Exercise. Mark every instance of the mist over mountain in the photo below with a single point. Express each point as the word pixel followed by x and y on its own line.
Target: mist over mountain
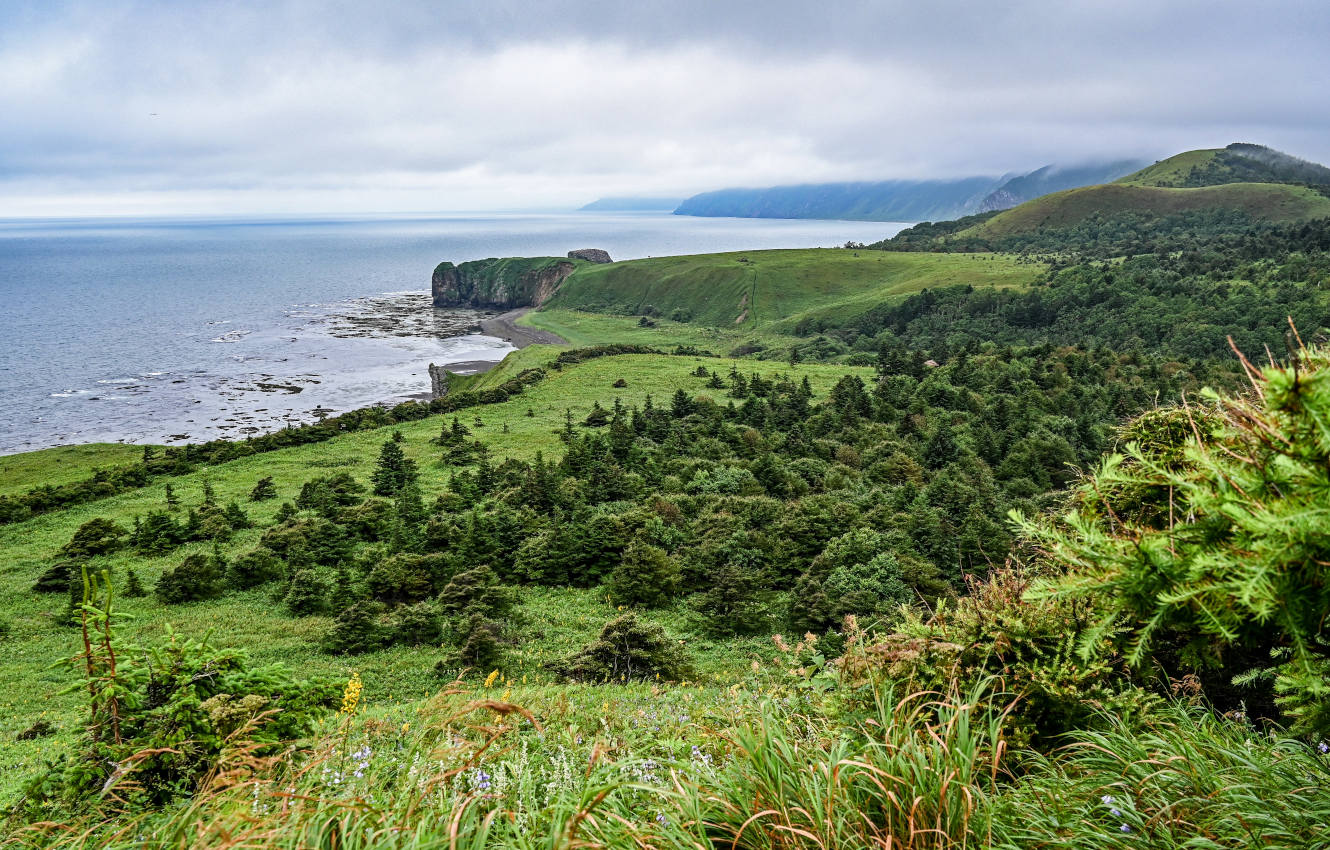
pixel 631 204
pixel 888 200
pixel 903 200
pixel 1053 178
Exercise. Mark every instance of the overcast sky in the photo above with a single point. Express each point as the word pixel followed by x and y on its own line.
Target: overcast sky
pixel 302 106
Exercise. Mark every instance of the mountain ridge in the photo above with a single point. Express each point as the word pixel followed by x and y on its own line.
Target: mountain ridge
pixel 901 200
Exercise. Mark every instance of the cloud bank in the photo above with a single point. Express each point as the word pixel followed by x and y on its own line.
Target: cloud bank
pixel 286 105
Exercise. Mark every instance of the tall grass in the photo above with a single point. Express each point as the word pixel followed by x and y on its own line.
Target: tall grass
pixel 483 773
pixel 1191 779
pixel 915 775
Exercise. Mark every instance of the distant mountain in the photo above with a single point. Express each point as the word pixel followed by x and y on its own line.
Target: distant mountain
pixel 1054 178
pixel 1197 191
pixel 631 205
pixel 901 200
pixel 888 200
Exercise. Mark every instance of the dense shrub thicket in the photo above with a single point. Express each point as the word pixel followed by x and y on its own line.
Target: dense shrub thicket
pixel 764 508
pixel 1124 234
pixel 1184 306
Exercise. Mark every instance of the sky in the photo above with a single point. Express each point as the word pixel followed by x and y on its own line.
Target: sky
pixel 296 106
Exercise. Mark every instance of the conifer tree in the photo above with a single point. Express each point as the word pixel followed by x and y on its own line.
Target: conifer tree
pixel 263 490
pixel 393 471
pixel 134 587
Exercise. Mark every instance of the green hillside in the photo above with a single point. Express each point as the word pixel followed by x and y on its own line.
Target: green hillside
pixel 61 465
pixel 1262 201
pixel 766 288
pixel 1237 163
pixel 1171 171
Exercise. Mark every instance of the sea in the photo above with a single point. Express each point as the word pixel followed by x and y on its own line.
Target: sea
pixel 180 330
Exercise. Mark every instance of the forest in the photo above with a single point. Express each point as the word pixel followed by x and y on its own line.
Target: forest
pixel 1032 566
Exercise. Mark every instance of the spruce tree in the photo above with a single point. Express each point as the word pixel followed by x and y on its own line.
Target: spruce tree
pixel 645 575
pixel 393 470
pixel 263 489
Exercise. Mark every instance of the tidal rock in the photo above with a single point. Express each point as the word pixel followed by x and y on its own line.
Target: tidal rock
pixel 591 255
pixel 438 381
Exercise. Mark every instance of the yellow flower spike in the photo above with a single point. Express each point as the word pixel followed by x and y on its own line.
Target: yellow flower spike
pixel 406 727
pixel 351 694
pixel 490 679
pixel 506 694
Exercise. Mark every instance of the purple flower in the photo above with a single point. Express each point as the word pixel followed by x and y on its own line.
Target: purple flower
pixel 1125 828
pixel 481 780
pixel 1323 747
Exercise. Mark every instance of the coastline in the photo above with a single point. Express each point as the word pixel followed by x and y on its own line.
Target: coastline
pixel 505 327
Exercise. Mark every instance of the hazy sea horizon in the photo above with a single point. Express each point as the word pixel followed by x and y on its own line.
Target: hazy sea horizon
pixel 185 329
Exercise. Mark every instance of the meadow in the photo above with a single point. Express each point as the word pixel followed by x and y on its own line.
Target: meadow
pixel 31 689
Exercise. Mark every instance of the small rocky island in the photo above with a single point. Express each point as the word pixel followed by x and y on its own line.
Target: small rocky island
pixel 509 282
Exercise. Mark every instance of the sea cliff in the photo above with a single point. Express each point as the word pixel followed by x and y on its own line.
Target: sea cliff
pixel 499 284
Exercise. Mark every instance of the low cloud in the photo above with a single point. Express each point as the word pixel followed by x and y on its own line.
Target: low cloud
pixel 303 106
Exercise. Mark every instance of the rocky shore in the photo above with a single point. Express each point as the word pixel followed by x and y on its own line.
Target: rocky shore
pixel 505 327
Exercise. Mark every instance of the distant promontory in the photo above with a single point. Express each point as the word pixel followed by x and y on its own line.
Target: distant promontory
pixel 631 205
pixel 509 282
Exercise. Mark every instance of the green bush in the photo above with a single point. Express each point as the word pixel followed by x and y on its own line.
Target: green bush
pixel 264 489
pixel 95 537
pixel 1234 555
pixel 307 593
pixel 197 577
pixel 646 575
pixel 1022 650
pixel 477 644
pixel 161 719
pixel 420 624
pixel 356 630
pixel 255 567
pixel 627 649
pixel 393 470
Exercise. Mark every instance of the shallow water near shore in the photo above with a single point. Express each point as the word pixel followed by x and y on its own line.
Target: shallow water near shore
pixel 184 330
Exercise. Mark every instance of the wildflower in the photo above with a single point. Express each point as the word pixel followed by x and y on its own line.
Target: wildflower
pixel 1125 828
pixel 1106 800
pixel 351 694
pixel 406 727
pixel 1115 813
pixel 662 820
pixel 1323 747
pixel 491 678
pixel 480 780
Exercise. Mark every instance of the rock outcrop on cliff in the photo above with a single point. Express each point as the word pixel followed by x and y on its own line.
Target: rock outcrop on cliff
pixel 499 284
pixel 591 255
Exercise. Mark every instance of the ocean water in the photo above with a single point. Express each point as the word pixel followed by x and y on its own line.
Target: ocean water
pixel 183 330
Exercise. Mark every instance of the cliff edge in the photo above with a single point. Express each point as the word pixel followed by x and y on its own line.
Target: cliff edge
pixel 499 284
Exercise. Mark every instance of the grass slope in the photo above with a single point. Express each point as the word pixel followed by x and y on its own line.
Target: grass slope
pixel 1263 201
pixel 61 465
pixel 1167 172
pixel 750 289
pixel 31 688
